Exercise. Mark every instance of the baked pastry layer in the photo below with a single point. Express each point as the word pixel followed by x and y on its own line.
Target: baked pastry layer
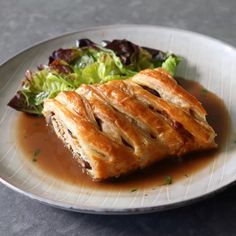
pixel 120 126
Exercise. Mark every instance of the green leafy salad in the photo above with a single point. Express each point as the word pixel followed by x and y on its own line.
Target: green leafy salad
pixel 87 63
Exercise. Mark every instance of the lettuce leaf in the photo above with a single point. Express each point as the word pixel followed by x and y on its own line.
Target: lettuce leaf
pixel 88 63
pixel 170 64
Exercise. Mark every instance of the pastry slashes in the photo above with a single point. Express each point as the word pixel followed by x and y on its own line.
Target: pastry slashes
pixel 124 125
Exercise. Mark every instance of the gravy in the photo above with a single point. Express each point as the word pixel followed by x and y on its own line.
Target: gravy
pixel 46 151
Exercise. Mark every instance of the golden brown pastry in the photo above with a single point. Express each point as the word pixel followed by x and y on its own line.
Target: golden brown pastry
pixel 120 126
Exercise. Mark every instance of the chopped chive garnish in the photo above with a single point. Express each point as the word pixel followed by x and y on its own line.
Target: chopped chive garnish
pixel 204 91
pixel 133 190
pixel 36 152
pixel 168 180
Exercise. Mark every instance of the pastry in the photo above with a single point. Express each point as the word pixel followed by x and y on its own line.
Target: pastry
pixel 124 125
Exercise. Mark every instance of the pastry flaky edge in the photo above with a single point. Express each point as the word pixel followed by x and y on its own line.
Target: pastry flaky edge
pixel 120 126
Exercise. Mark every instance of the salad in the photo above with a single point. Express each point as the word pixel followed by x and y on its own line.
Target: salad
pixel 87 63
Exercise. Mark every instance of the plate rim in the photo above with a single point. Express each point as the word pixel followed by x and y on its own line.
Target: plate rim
pixel 107 210
pixel 122 211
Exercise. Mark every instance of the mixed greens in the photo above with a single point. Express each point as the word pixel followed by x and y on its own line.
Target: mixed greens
pixel 87 63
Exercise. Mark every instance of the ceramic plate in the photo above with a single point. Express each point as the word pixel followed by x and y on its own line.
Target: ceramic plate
pixel 209 61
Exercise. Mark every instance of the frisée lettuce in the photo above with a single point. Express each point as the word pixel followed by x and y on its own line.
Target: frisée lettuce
pixel 87 63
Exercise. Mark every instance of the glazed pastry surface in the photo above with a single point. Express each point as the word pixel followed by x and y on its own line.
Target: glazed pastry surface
pixel 124 125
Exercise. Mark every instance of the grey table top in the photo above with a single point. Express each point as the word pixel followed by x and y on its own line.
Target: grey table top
pixel 25 22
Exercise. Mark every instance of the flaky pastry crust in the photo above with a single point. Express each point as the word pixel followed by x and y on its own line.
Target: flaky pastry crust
pixel 120 126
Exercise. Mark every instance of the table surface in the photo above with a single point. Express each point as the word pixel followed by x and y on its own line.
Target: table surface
pixel 25 22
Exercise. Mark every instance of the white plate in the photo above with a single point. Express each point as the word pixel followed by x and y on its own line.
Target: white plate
pixel 209 61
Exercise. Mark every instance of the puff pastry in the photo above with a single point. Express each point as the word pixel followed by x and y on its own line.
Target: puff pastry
pixel 120 126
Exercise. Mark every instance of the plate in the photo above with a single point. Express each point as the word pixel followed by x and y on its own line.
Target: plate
pixel 206 60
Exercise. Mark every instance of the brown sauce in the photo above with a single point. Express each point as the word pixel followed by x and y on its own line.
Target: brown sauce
pixel 44 150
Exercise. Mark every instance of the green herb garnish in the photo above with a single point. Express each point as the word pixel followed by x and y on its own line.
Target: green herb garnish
pixel 133 190
pixel 204 91
pixel 168 180
pixel 36 152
